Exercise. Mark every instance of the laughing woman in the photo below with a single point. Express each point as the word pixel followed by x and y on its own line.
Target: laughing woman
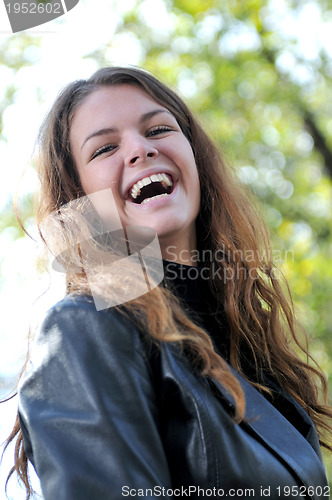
pixel 195 387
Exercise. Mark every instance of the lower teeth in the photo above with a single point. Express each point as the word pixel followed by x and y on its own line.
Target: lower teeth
pixel 154 197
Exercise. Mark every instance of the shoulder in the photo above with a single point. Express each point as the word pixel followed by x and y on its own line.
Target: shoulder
pixel 77 315
pixel 78 348
pixel 76 309
pixel 74 329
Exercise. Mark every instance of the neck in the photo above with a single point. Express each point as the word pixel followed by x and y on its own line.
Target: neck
pixel 182 252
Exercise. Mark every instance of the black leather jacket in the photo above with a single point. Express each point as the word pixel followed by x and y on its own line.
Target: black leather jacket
pixel 105 416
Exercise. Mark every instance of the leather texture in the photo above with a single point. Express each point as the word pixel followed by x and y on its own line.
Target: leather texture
pixel 102 408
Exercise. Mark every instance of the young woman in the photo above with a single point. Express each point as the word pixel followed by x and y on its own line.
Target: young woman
pixel 193 388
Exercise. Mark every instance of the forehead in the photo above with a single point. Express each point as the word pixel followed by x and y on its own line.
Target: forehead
pixel 110 107
pixel 115 101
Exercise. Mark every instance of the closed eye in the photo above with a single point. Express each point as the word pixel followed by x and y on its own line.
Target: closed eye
pixel 158 130
pixel 104 149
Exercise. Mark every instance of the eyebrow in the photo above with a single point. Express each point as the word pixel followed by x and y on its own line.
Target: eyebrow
pixel 103 131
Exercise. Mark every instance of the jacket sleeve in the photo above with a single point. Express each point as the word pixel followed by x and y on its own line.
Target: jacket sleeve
pixel 88 408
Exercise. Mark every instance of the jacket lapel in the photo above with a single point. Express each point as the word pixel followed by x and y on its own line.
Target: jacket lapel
pixel 277 433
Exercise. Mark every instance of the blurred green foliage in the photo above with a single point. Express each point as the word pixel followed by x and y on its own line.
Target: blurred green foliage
pixel 266 98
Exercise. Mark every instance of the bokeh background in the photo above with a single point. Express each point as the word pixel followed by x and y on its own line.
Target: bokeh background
pixel 257 72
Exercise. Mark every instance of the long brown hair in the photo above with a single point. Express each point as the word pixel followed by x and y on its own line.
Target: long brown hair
pixel 260 317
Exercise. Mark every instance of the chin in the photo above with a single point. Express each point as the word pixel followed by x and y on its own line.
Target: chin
pixel 167 227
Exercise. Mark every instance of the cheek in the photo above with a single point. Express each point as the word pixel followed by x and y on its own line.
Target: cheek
pixel 196 186
pixel 191 162
pixel 190 176
pixel 193 170
pixel 97 180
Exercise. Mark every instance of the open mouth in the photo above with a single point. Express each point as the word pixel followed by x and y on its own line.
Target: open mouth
pixel 153 186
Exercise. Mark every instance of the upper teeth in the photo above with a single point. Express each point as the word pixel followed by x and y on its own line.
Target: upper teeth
pixel 163 178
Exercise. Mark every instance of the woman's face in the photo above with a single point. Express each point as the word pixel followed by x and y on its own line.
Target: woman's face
pixel 124 140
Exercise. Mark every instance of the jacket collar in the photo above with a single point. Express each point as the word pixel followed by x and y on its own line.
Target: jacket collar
pixel 301 454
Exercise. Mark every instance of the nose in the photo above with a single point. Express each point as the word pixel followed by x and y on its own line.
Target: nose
pixel 139 149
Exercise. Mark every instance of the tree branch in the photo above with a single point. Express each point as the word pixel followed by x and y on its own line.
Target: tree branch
pixel 319 139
